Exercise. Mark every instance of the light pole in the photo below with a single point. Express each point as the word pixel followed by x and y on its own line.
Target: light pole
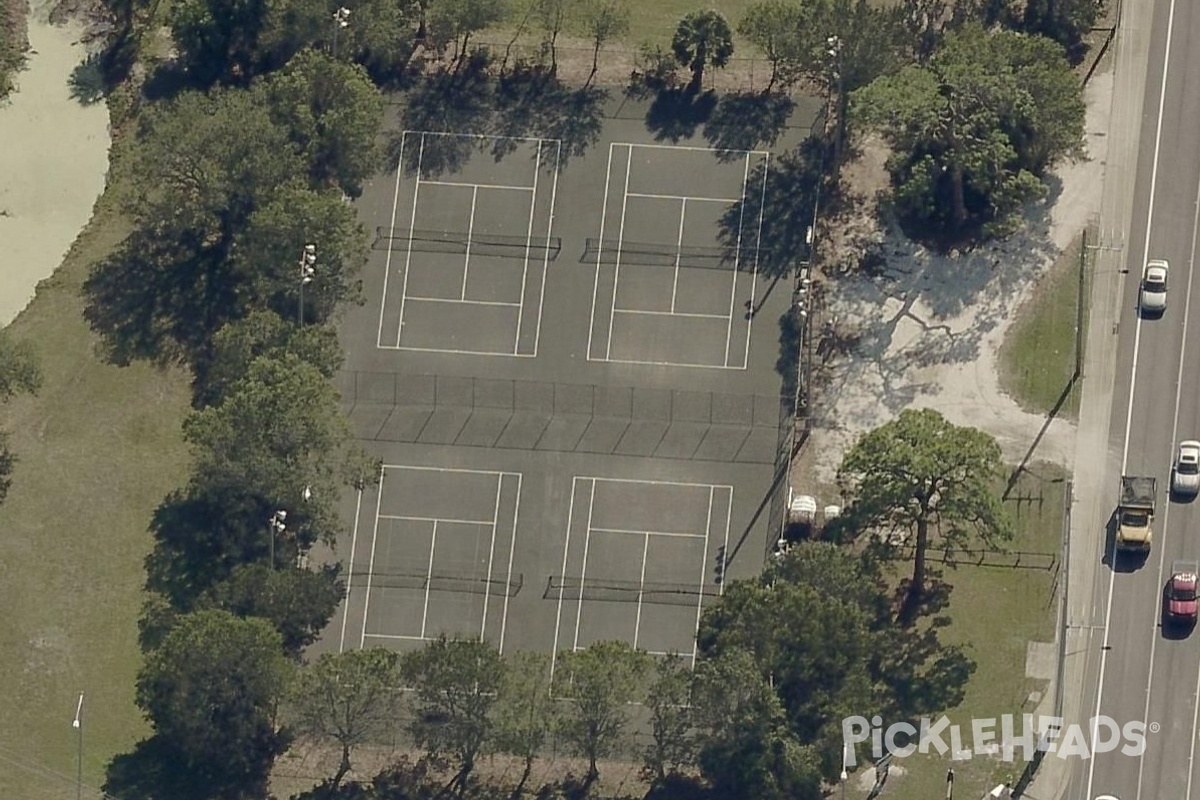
pixel 341 19
pixel 308 261
pixel 845 774
pixel 77 724
pixel 834 51
pixel 275 526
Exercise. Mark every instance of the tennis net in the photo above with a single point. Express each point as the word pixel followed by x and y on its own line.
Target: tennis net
pixel 441 582
pixel 432 241
pixel 684 594
pixel 614 251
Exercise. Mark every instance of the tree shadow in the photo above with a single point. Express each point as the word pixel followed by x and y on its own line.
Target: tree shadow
pixel 88 83
pixel 747 121
pixel 451 100
pixel 530 102
pixel 676 113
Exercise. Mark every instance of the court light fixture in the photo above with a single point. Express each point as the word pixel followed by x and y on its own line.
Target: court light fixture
pixel 308 262
pixel 342 17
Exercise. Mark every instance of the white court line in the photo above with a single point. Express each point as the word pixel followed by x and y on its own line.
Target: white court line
pixel 412 226
pixel 371 563
pixel 483 136
pixel 697 198
pixel 512 548
pixel 563 573
pixel 686 147
pixel 678 253
pixel 537 336
pixel 670 534
pixel 407 518
pixel 387 265
pixel 617 266
pixel 587 538
pixel 599 249
pixel 418 468
pixel 429 578
pixel 637 622
pixel 462 298
pixel 537 168
pixel 398 636
pixel 737 262
pixel 664 653
pixel 487 587
pixel 464 302
pixel 500 186
pixel 667 364
pixel 703 573
pixel 350 571
pixel 762 209
pixel 651 482
pixel 684 314
pixel 457 352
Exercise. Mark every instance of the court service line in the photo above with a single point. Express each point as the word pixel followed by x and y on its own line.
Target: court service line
pixel 456 352
pixel 617 265
pixel 762 210
pixel 631 532
pixel 537 335
pixel 459 470
pixel 398 636
pixel 512 548
pixel 387 264
pixel 462 302
pixel 667 363
pixel 587 540
pixel 653 482
pixel 504 187
pixel 487 587
pixel 649 146
pixel 637 622
pixel 697 198
pixel 371 563
pixel 429 578
pixel 682 314
pixel 566 549
pixel 407 518
pixel 412 226
pixel 350 570
pixel 599 250
pixel 462 297
pixel 496 136
pixel 703 572
pixel 678 253
pixel 537 169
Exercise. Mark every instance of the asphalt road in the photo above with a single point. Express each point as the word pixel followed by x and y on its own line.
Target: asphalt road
pixel 1142 674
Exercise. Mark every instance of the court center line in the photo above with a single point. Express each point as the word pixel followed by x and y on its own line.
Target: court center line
pixel 537 336
pixel 678 252
pixel 762 207
pixel 463 302
pixel 537 168
pixel 563 573
pixel 587 538
pixel 697 198
pixel 387 264
pixel 737 261
pixel 599 250
pixel 682 314
pixel 412 227
pixel 503 187
pixel 487 587
pixel 350 570
pixel 429 578
pixel 467 256
pixel 631 532
pixel 371 562
pixel 617 265
pixel 637 622
pixel 703 573
pixel 512 548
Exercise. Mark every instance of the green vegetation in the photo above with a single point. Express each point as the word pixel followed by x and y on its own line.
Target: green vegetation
pixel 13 43
pixel 1037 359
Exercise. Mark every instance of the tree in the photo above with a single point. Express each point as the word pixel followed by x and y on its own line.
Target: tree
pixel 19 372
pixel 455 682
pixel 346 698
pixel 668 700
pixel 603 21
pixel 524 714
pixel 1064 21
pixel 298 602
pixel 218 40
pixel 597 683
pixel 457 20
pixel 552 17
pixel 746 749
pixel 775 27
pixel 975 129
pixel 381 37
pixel 702 39
pixel 923 475
pixel 332 112
pixel 211 692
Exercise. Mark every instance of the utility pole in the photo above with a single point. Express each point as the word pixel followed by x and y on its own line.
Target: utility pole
pixel 275 526
pixel 77 724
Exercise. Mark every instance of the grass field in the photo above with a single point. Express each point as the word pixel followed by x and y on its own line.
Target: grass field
pixel 994 612
pixel 1037 359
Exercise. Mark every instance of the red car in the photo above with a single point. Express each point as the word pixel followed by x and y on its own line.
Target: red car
pixel 1180 603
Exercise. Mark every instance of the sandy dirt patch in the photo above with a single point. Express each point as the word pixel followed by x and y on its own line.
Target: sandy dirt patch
pixel 52 164
pixel 923 331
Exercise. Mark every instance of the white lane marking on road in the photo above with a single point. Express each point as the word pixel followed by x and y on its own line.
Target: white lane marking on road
pixel 1137 337
pixel 1196 691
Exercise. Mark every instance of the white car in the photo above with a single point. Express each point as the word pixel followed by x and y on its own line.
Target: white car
pixel 1185 477
pixel 1154 286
